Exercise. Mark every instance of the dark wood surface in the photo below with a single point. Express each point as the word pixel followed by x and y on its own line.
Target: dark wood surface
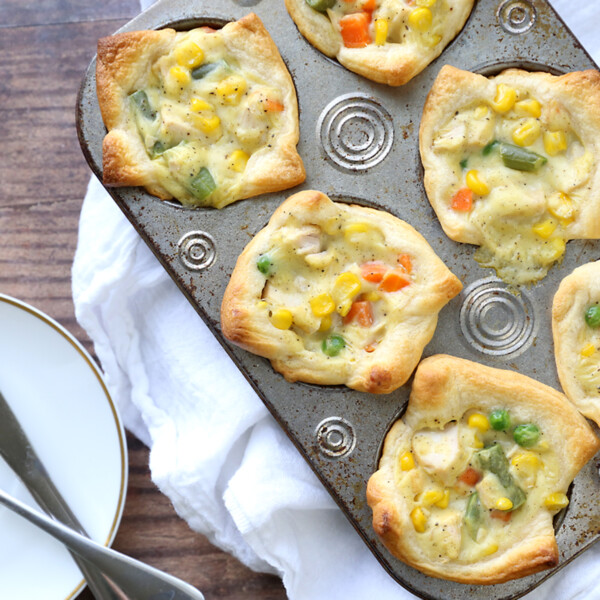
pixel 45 47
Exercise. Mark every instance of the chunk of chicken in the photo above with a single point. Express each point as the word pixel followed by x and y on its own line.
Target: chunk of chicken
pixel 439 452
pixel 445 534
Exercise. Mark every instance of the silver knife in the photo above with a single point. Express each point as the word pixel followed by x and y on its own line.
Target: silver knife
pixel 21 457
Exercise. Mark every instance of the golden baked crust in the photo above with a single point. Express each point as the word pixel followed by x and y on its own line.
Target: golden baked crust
pixel 447 392
pixel 577 344
pixel 524 218
pixel 175 103
pixel 315 255
pixel 406 52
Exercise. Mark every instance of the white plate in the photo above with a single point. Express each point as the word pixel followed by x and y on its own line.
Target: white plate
pixel 58 395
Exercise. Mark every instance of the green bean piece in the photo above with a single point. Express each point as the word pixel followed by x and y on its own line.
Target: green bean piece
pixel 494 460
pixel 264 264
pixel 203 185
pixel 487 149
pixel 157 149
pixel 592 316
pixel 473 515
pixel 515 157
pixel 333 344
pixel 499 419
pixel 142 104
pixel 206 68
pixel 320 5
pixel 526 435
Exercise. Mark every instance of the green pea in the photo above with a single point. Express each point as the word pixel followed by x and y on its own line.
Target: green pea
pixel 526 435
pixel 333 344
pixel 499 419
pixel 264 264
pixel 592 316
pixel 463 163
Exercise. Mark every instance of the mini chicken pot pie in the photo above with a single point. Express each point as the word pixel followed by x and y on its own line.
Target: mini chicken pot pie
pixel 471 477
pixel 511 165
pixel 576 332
pixel 207 117
pixel 337 294
pixel 388 41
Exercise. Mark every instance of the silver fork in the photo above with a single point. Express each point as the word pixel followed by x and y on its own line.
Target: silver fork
pixel 110 575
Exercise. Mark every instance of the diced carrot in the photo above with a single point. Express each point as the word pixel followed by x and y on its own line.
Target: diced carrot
pixel 471 476
pixel 405 261
pixel 394 280
pixel 463 200
pixel 369 5
pixel 373 271
pixel 503 515
pixel 370 348
pixel 362 312
pixel 273 105
pixel 355 30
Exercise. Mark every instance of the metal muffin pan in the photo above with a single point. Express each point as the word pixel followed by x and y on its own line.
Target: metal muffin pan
pixel 359 143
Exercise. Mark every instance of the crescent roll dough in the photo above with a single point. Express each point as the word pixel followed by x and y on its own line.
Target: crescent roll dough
pixel 389 41
pixel 334 293
pixel 207 117
pixel 511 164
pixel 576 331
pixel 472 475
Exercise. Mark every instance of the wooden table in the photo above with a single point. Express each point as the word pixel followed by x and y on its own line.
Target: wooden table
pixel 45 47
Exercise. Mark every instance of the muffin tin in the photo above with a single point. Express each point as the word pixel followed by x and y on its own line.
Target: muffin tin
pixel 359 143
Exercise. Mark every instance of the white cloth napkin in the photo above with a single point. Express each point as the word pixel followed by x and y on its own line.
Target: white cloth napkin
pixel 215 451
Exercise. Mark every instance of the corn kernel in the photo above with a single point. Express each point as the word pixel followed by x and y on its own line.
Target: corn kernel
pixel 431 40
pixel 558 246
pixel 352 230
pixel 529 107
pixel 425 3
pixel 478 421
pixel 444 500
pixel 504 504
pixel 322 305
pixel 431 497
pixel 419 520
pixel 490 549
pixel 588 350
pixel 238 160
pixel 198 105
pixel 476 184
pixel 527 462
pixel 381 31
pixel 188 54
pixel 325 323
pixel 544 229
pixel 561 206
pixel 556 501
pixel 231 89
pixel 345 289
pixel 555 142
pixel 477 442
pixel 372 296
pixel 482 111
pixel 527 133
pixel 420 19
pixel 282 318
pixel 177 79
pixel 407 462
pixel 344 307
pixel 542 446
pixel 207 124
pixel 504 99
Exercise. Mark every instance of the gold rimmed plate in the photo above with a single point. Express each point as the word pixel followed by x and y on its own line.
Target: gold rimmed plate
pixel 58 395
